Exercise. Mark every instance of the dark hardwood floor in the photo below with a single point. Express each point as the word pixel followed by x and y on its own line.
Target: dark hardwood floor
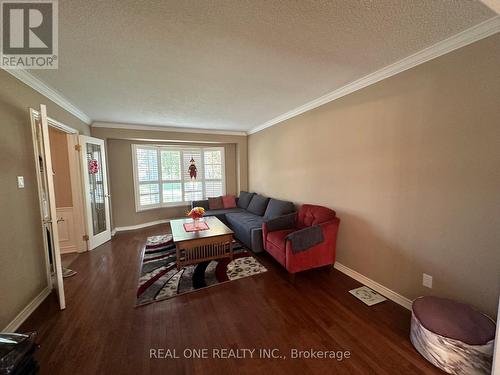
pixel 101 332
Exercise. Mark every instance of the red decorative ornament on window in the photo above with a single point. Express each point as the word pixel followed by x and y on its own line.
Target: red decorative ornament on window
pixel 93 166
pixel 192 169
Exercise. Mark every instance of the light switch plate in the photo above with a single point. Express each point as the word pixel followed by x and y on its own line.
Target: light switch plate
pixel 427 280
pixel 20 182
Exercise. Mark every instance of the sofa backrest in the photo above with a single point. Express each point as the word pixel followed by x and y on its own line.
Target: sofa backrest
pixel 276 208
pixel 258 205
pixel 244 199
pixel 310 214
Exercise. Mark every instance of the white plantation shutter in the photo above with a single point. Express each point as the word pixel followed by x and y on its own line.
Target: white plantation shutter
pixel 171 175
pixel 214 173
pixel 161 175
pixel 148 177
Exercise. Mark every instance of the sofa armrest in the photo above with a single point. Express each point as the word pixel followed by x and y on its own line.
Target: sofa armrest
pixel 281 223
pixel 305 238
pixel 203 203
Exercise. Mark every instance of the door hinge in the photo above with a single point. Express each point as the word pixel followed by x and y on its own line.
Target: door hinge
pixel 85 237
pixel 78 147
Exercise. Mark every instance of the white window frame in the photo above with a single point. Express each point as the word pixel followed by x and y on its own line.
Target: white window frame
pixel 182 149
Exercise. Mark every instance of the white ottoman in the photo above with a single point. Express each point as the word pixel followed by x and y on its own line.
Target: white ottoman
pixel 452 336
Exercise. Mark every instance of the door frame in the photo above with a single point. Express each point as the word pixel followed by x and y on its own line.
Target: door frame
pixel 76 184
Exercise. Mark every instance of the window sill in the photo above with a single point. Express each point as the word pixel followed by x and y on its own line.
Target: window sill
pixel 174 205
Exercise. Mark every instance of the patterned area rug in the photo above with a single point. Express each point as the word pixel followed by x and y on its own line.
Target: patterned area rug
pixel 160 278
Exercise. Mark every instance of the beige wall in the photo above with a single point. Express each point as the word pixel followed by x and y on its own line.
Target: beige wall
pixel 60 166
pixel 412 166
pixel 121 182
pixel 22 267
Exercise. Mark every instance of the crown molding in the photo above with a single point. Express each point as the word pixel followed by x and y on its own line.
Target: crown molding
pixel 175 129
pixel 49 93
pixel 466 37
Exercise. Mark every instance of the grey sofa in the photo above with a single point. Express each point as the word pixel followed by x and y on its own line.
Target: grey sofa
pixel 247 218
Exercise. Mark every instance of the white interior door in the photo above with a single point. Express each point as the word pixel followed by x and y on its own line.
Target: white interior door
pixel 47 199
pixel 96 194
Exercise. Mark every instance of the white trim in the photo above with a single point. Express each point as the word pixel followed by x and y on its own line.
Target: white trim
pixel 175 129
pixel 54 123
pixel 49 93
pixel 27 311
pixel 140 226
pixel 379 288
pixel 36 153
pixel 466 37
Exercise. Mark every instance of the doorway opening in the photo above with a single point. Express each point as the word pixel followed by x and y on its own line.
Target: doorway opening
pixel 68 193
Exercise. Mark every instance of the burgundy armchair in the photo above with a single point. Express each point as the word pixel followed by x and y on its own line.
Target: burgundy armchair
pixel 302 240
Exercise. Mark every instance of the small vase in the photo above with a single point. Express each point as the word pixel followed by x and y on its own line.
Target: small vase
pixel 196 222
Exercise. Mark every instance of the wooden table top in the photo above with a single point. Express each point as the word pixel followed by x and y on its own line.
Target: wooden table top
pixel 216 228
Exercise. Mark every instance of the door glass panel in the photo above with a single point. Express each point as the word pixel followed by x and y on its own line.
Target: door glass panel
pixel 96 188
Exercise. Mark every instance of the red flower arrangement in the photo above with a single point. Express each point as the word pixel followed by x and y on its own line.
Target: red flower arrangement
pixel 196 213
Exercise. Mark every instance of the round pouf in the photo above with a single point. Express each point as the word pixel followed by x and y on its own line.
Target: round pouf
pixel 452 336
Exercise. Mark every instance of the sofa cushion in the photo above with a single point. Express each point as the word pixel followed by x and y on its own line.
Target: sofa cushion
pixel 215 203
pixel 258 205
pixel 277 208
pixel 223 211
pixel 243 223
pixel 245 219
pixel 244 200
pixel 229 201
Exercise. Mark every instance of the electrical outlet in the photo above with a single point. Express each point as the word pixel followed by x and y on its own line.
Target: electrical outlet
pixel 20 182
pixel 427 280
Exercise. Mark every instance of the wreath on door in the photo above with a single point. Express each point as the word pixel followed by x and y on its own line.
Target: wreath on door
pixel 93 166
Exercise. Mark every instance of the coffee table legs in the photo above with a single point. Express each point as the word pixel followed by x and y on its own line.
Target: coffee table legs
pixel 193 252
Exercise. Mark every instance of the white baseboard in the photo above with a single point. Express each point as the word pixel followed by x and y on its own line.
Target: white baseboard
pixel 379 288
pixel 139 226
pixel 69 249
pixel 27 311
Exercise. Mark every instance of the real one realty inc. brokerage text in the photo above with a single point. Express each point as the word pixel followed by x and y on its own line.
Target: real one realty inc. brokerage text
pixel 248 353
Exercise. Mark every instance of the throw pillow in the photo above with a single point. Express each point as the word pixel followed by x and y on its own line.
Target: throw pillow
pixel 229 201
pixel 244 200
pixel 258 204
pixel 215 203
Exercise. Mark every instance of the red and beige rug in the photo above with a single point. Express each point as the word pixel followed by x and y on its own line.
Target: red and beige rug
pixel 161 280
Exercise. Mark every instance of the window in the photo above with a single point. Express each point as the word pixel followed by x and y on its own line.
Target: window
pixel 161 175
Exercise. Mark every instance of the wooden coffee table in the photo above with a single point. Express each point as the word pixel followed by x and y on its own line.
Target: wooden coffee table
pixel 195 247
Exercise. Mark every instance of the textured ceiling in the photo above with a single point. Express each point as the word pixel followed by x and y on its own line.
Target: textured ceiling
pixel 233 65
